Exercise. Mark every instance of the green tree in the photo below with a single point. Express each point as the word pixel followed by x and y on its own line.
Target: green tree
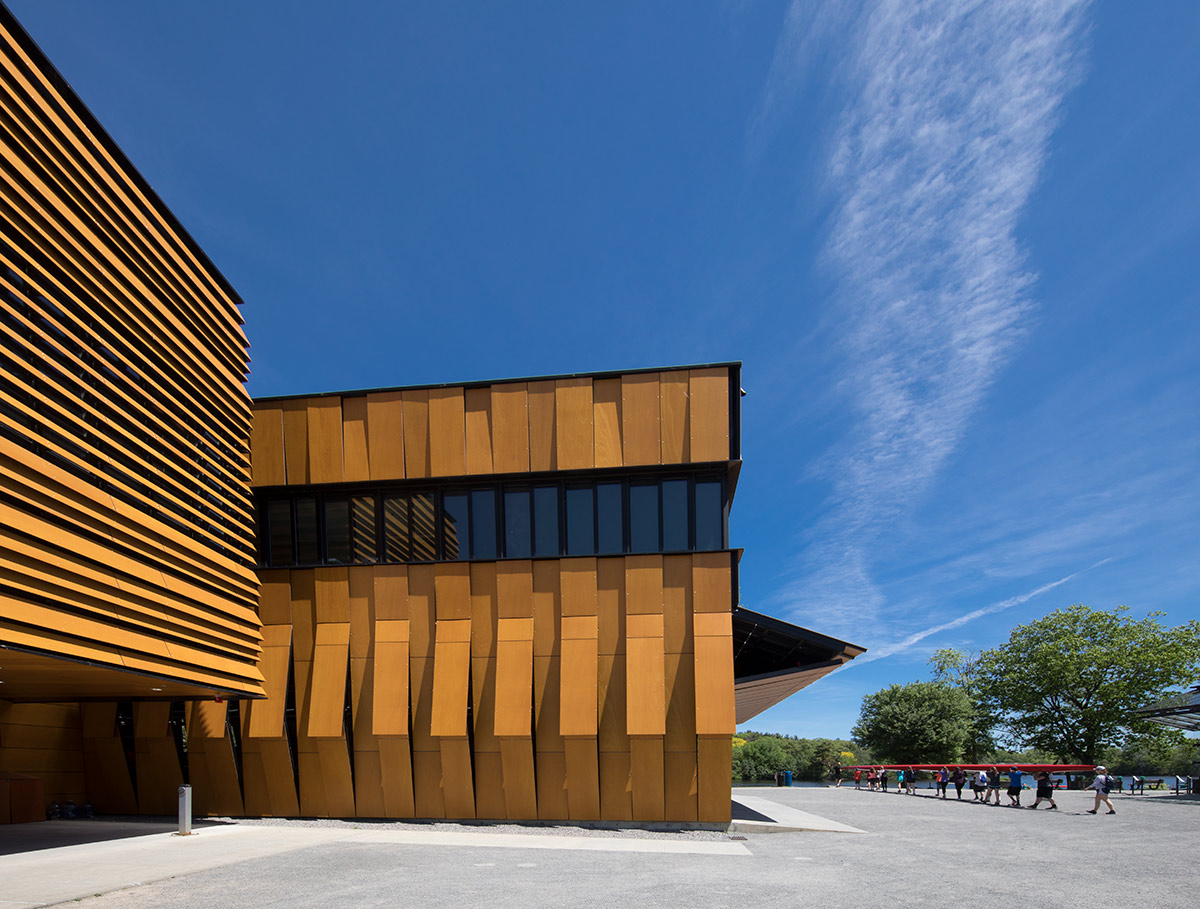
pixel 1069 683
pixel 919 723
pixel 960 668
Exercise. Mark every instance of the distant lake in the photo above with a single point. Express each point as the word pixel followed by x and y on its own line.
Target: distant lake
pixel 848 782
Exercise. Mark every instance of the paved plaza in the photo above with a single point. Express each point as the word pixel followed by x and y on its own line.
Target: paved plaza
pixel 910 851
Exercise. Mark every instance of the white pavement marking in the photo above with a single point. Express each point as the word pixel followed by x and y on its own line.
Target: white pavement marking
pixel 783 816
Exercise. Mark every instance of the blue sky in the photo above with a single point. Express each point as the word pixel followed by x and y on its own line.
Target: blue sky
pixel 954 245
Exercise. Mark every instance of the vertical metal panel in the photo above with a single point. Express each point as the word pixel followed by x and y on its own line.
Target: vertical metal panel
pixel 325 440
pixel 673 417
pixel 708 414
pixel 447 445
pixel 543 443
pixel 295 441
pixel 385 435
pixel 355 449
pixel 266 447
pixel 573 423
pixel 416 433
pixel 479 430
pixel 606 422
pixel 640 435
pixel 510 427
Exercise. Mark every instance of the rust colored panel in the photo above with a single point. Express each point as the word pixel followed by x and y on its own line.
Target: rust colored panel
pixel 108 785
pixel 295 441
pixel 421 703
pixel 715 758
pixel 640 419
pixel 673 417
pixel 644 585
pixel 391 591
pixel 610 604
pixel 335 777
pixel 368 784
pixel 681 702
pixel 714 624
pixel 606 422
pixel 677 604
pixel 616 786
pixel 362 703
pixel 583 779
pixel 385 435
pixel 520 790
pixel 266 448
pixel 362 610
pixel 98 719
pixel 275 598
pixel 552 786
pixel 452 585
pixel 610 695
pixel 458 785
pixel 266 716
pixel 489 786
pixel 451 664
pixel 312 784
pixel 216 775
pixel 708 414
pixel 679 772
pixel 447 445
pixel 573 423
pixel 543 442
pixel 714 685
pixel 391 675
pixel 547 683
pixel 327 699
pixel 416 433
pixel 646 698
pixel 395 760
pixel 514 589
pixel 646 778
pixel 483 609
pixel 421 612
pixel 578 694
pixel 712 581
pixel 479 430
pixel 547 609
pixel 356 452
pixel 332 595
pixel 577 583
pixel 325 440
pixel 514 679
pixel 483 692
pixel 427 784
pixel 510 428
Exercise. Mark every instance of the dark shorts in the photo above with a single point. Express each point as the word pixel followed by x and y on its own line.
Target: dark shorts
pixel 1014 790
pixel 993 785
pixel 1045 793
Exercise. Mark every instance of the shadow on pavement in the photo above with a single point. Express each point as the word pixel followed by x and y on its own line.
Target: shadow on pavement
pixel 18 838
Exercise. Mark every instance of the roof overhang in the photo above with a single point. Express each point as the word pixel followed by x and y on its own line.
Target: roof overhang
pixel 773 659
pixel 1179 711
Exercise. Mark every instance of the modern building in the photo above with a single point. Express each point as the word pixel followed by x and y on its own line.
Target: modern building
pixel 512 599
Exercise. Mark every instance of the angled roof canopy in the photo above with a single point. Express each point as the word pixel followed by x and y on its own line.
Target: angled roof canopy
pixel 772 660
pixel 1181 711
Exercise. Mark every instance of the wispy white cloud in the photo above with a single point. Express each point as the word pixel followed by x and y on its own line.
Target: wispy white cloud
pixel 948 114
pixel 912 640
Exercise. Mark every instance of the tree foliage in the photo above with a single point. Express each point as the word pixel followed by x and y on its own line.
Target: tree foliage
pixel 763 754
pixel 960 668
pixel 919 723
pixel 1070 683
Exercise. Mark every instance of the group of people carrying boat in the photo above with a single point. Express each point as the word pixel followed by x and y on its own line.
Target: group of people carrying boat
pixel 985 783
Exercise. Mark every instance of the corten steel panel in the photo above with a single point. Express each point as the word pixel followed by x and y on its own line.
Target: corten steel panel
pixel 275 597
pixel 640 434
pixel 573 423
pixel 679 774
pixel 447 444
pixel 385 435
pixel 520 789
pixel 158 773
pixel 681 702
pixel 489 785
pixel 43 742
pixel 547 685
pixel 212 770
pixel 611 698
pixel 452 584
pixel 335 777
pixel 677 604
pixel 451 664
pixel 712 578
pixel 514 677
pixel 543 442
pixel 646 778
pixel 266 447
pixel 510 428
pixel 714 788
pixel 314 800
pixel 479 430
pixel 578 690
pixel 673 418
pixel 325 440
pixel 390 692
pixel 266 716
pixel 552 786
pixel 547 608
pixel 140 407
pixel 610 604
pixel 368 784
pixel 295 441
pixel 330 665
pixel 708 414
pixel 616 786
pixel 714 685
pixel 332 595
pixel 395 759
pixel 355 452
pixel 427 783
pixel 606 422
pixel 583 779
pixel 109 786
pixel 416 433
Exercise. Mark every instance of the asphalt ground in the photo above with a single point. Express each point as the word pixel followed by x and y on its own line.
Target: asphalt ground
pixel 913 851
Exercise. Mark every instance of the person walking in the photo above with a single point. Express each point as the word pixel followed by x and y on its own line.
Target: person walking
pixel 837 775
pixel 977 785
pixel 872 779
pixel 993 786
pixel 959 779
pixel 910 781
pixel 1045 791
pixel 883 778
pixel 858 778
pixel 900 785
pixel 943 780
pixel 1101 783
pixel 1014 788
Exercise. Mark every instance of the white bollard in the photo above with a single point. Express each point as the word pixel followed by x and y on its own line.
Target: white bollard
pixel 185 810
